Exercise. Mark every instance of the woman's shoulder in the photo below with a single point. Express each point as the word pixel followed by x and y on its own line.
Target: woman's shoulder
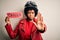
pixel 22 20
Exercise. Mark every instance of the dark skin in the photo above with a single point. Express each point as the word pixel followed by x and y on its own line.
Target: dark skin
pixel 31 16
pixel 39 24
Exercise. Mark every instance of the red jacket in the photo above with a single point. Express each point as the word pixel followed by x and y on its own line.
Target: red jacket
pixel 26 31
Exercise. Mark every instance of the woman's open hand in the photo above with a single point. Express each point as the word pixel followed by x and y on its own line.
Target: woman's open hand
pixel 39 24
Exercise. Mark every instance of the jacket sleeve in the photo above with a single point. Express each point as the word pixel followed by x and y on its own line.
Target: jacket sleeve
pixel 12 33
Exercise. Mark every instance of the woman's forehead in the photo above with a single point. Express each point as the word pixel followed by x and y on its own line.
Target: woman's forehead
pixel 30 10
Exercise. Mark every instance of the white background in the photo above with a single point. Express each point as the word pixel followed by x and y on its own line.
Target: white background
pixel 50 10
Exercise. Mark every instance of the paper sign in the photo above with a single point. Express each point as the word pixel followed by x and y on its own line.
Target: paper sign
pixel 15 14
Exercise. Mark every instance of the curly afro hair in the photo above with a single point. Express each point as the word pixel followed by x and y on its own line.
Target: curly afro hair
pixel 30 6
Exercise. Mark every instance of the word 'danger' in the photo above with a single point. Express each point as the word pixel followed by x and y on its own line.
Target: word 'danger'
pixel 15 14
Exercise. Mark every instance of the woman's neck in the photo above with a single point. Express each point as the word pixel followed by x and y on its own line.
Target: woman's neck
pixel 29 19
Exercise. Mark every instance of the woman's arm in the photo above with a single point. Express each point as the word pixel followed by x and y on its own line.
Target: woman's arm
pixel 12 33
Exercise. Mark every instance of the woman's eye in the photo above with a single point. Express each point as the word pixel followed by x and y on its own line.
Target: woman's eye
pixel 32 13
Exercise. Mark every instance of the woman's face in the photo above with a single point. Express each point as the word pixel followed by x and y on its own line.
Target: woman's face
pixel 31 14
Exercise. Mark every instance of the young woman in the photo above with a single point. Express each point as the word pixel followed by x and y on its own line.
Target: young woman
pixel 29 28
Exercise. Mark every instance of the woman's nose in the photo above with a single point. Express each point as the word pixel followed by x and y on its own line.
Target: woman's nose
pixel 30 14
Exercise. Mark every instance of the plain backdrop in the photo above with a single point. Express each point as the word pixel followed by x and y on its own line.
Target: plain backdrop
pixel 50 10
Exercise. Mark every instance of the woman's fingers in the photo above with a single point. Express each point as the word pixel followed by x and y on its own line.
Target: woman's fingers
pixel 39 17
pixel 7 19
